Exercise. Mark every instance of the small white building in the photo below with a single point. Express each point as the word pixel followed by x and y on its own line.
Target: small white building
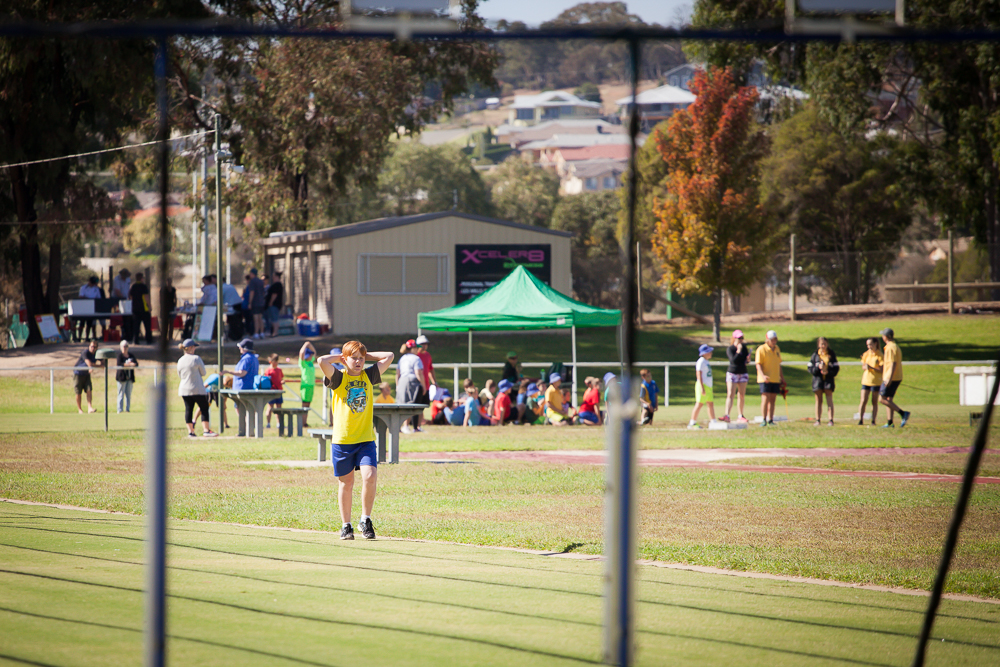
pixel 593 175
pixel 550 105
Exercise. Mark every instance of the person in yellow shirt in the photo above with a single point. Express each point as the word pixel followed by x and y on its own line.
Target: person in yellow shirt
pixel 354 429
pixel 770 377
pixel 557 413
pixel 871 378
pixel 892 376
pixel 386 394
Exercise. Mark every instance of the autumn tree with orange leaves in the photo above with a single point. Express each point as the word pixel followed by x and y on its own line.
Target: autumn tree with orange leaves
pixel 712 233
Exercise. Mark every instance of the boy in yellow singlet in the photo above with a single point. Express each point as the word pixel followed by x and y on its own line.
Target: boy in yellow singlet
pixel 353 428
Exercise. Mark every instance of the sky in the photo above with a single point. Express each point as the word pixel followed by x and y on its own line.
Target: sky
pixel 533 12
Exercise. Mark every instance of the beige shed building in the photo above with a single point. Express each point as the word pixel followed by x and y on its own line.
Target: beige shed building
pixel 374 277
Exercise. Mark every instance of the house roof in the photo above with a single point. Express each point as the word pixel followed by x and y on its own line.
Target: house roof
pixel 579 141
pixel 551 98
pixel 663 95
pixel 685 66
pixel 368 226
pixel 565 124
pixel 612 151
pixel 779 92
pixel 598 167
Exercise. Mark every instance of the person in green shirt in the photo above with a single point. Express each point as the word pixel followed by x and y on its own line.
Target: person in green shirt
pixel 307 385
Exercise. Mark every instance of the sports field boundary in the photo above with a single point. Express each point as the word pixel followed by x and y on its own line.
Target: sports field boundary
pixel 703 569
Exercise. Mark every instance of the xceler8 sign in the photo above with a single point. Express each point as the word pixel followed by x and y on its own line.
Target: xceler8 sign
pixel 481 266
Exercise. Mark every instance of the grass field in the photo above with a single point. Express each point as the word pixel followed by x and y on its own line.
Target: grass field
pixel 72 582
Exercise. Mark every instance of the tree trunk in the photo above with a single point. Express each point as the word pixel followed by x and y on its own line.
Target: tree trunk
pixel 993 229
pixel 717 318
pixel 31 279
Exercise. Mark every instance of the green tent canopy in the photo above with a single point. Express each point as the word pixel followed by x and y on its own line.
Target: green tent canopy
pixel 519 301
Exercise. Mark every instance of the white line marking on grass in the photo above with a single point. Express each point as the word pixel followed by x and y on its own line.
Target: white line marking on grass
pixel 704 569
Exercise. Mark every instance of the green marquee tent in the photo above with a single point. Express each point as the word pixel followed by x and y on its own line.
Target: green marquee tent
pixel 519 301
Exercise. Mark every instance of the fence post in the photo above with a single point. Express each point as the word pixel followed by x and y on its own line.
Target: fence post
pixel 154 377
pixel 455 378
pixel 666 385
pixel 52 391
pixel 791 278
pixel 951 273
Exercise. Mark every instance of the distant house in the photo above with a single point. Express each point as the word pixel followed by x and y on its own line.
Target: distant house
pixel 657 104
pixel 550 105
pixel 518 135
pixel 561 159
pixel 593 176
pixel 680 77
pixel 544 151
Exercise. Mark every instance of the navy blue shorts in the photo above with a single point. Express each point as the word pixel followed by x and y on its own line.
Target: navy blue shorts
pixel 348 458
pixel 770 387
pixel 889 390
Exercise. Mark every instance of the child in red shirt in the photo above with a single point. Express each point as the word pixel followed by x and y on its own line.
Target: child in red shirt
pixel 277 377
pixel 501 404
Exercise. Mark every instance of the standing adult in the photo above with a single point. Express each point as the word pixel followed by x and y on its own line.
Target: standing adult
pixel 422 351
pixel 410 381
pixel 892 376
pixel 275 302
pixel 120 287
pixel 209 292
pixel 353 435
pixel 737 376
pixel 871 379
pixel 824 367
pixel 141 311
pixel 246 308
pixel 258 299
pixel 81 376
pixel 125 376
pixel 168 296
pixel 247 368
pixel 89 290
pixel 770 376
pixel 511 370
pixel 233 304
pixel 191 369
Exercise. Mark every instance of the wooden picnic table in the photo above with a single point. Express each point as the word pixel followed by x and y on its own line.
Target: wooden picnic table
pixel 389 418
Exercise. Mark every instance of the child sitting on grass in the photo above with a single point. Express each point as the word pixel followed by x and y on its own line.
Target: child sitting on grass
pixel 703 386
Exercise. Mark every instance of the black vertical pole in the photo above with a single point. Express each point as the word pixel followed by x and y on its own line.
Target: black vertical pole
pixel 156 459
pixel 968 481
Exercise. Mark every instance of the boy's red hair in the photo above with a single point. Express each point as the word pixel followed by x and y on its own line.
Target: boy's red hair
pixel 352 346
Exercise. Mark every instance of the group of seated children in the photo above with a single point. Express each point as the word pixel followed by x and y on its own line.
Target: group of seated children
pixel 526 402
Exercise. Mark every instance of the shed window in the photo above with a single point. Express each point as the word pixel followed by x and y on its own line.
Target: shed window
pixel 402 274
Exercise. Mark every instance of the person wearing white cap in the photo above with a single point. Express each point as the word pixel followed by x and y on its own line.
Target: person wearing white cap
pixel 557 412
pixel 191 369
pixel 703 386
pixel 425 358
pixel 770 377
pixel 737 376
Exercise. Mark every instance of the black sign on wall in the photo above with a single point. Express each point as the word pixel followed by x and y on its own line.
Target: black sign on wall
pixel 479 267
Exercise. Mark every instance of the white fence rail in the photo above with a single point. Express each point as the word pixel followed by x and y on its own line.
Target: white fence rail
pixel 456 368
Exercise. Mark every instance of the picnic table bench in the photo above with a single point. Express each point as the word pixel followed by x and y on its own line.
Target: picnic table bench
pixel 296 415
pixel 389 418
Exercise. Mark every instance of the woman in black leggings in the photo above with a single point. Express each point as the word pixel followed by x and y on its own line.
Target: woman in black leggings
pixel 191 369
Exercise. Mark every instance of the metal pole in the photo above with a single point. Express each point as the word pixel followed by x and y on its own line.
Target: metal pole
pixel 791 278
pixel 573 336
pixel 105 395
pixel 156 464
pixel 951 273
pixel 219 305
pixel 204 212
pixel 666 385
pixel 470 353
pixel 229 234
pixel 638 279
pixel 52 391
pixel 194 262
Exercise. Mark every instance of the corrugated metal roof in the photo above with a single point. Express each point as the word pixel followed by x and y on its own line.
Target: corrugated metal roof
pixel 551 98
pixel 368 226
pixel 663 95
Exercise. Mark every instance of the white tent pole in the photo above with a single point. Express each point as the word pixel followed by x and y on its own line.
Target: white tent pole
pixel 470 353
pixel 573 335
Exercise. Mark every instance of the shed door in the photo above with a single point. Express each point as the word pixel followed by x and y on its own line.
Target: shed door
pixel 300 278
pixel 324 287
pixel 278 264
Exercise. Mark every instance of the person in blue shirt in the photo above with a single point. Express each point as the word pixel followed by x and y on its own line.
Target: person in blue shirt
pixel 246 368
pixel 454 413
pixel 649 395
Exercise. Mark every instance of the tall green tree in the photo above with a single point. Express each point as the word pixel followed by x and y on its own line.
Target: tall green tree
pixel 61 97
pixel 596 255
pixel 423 179
pixel 712 233
pixel 523 193
pixel 844 196
pixel 944 98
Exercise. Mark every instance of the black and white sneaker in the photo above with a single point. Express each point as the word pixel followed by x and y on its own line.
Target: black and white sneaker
pixel 367 530
pixel 347 532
